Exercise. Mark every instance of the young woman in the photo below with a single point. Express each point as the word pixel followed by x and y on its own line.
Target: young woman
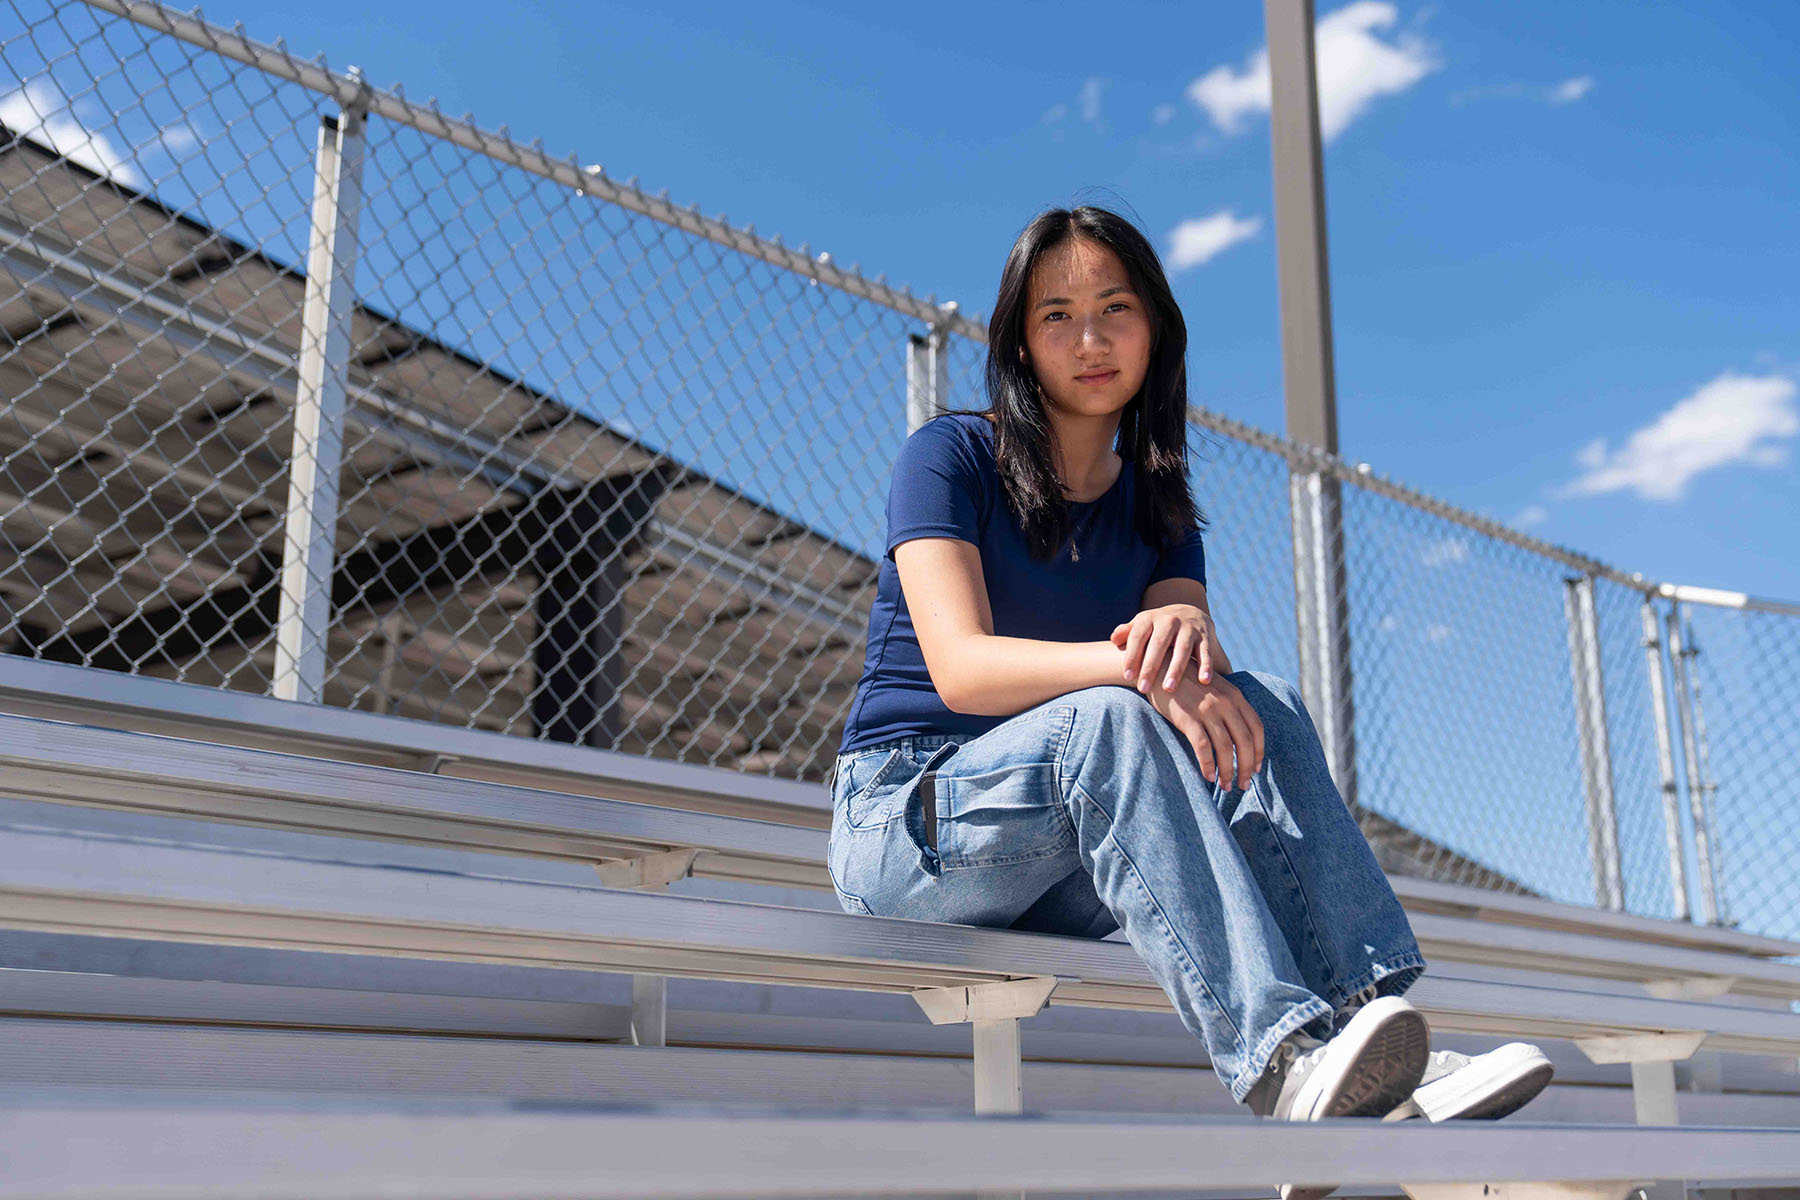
pixel 1048 734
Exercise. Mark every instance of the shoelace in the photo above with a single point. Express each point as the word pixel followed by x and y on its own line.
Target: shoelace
pixel 1299 1055
pixel 1341 1015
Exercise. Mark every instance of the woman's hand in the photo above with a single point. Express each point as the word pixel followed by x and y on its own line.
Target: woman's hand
pixel 1217 721
pixel 1165 639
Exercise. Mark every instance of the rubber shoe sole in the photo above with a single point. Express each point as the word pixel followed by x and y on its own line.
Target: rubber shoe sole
pixel 1373 1065
pixel 1378 1061
pixel 1499 1082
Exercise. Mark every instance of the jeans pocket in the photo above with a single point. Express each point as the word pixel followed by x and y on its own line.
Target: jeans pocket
pixel 1009 815
pixel 862 780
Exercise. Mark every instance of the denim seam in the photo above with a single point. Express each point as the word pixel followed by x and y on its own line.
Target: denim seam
pixel 1394 964
pixel 1056 773
pixel 1299 885
pixel 965 864
pixel 1168 927
pixel 843 894
pixel 1256 1062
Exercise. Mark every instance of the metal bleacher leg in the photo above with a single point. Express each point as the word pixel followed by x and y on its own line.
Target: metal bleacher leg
pixel 649 993
pixel 1652 1057
pixel 994 1009
pixel 649 1010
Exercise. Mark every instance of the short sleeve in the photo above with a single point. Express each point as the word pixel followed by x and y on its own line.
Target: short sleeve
pixel 936 487
pixel 1186 559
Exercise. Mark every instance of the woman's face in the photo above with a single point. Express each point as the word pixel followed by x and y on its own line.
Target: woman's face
pixel 1087 333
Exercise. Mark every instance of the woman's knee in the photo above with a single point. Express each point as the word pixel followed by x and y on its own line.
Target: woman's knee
pixel 1270 695
pixel 1114 703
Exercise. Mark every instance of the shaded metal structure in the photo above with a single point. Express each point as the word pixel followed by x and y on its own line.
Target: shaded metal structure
pixel 502 558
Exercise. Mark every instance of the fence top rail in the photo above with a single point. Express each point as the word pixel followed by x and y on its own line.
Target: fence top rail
pixel 352 91
pixel 1719 598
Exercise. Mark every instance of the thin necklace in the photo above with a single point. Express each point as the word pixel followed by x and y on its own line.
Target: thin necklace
pixel 1094 505
pixel 1074 550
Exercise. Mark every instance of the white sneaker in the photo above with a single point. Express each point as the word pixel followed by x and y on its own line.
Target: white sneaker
pixel 1365 1071
pixel 1484 1088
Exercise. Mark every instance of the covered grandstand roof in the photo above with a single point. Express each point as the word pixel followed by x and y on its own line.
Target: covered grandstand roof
pixel 149 362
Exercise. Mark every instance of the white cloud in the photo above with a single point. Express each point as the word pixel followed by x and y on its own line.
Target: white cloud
pixel 1388 623
pixel 1055 113
pixel 1445 551
pixel 1734 418
pixel 1571 90
pixel 1089 99
pixel 1162 114
pixel 179 140
pixel 1436 632
pixel 38 110
pixel 1355 67
pixel 1199 239
pixel 1566 92
pixel 1535 514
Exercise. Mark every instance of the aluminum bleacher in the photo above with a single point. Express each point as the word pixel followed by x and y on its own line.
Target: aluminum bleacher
pixel 184 913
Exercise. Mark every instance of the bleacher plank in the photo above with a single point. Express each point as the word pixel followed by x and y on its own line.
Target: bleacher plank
pixel 54 761
pixel 120 887
pixel 186 713
pixel 236 1146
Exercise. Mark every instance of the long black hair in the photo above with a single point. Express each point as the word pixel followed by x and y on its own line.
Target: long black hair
pixel 1153 427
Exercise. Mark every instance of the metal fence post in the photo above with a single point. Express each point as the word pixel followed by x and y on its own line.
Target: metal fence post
pixel 927 370
pixel 1665 762
pixel 1709 894
pixel 1316 498
pixel 1708 785
pixel 1596 753
pixel 1322 620
pixel 308 549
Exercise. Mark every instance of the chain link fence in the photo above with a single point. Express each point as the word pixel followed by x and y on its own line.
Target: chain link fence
pixel 317 392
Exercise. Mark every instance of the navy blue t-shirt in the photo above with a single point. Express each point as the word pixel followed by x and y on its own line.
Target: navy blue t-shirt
pixel 946 483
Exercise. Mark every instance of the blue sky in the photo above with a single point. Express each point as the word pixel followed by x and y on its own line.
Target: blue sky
pixel 1563 255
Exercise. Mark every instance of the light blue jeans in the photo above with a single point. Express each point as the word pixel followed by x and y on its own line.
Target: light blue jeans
pixel 1259 910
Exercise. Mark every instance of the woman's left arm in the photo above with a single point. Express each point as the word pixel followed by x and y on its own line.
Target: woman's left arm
pixel 1174 628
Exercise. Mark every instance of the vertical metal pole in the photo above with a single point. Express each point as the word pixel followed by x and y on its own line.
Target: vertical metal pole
pixel 1653 1093
pixel 391 628
pixel 999 1080
pixel 649 1010
pixel 999 1076
pixel 928 371
pixel 1708 785
pixel 1690 750
pixel 1665 762
pixel 1596 752
pixel 308 548
pixel 1322 621
pixel 1320 592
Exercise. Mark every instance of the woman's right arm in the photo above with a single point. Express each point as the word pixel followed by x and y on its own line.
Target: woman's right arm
pixel 973 670
pixel 978 673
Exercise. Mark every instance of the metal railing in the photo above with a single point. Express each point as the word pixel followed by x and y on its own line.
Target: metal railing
pixel 317 392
